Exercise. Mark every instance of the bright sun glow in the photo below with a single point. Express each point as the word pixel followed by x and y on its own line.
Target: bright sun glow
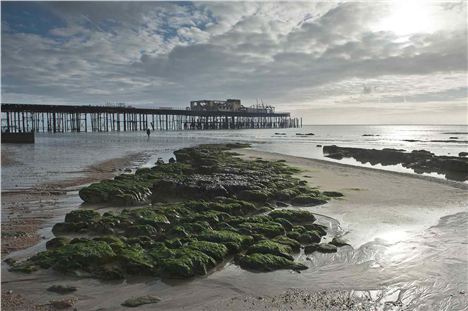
pixel 409 17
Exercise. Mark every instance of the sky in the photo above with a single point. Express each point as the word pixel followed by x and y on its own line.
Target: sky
pixel 393 62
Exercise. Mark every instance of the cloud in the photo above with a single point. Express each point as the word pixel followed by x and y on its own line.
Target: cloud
pixel 293 55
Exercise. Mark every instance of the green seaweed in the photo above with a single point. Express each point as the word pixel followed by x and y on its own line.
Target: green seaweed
pixel 268 262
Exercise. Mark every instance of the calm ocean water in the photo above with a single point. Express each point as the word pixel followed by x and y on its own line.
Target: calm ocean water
pixel 56 157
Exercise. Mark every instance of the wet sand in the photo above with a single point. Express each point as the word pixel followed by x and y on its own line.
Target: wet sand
pixel 410 251
pixel 26 212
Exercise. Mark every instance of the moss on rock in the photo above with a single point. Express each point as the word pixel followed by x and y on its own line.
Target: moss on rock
pixel 270 247
pixel 294 216
pixel 268 262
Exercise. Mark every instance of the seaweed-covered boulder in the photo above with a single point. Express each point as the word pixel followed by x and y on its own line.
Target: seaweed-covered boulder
pixel 268 229
pixel 57 242
pixel 146 216
pixel 82 215
pixel 257 196
pixel 320 229
pixel 134 260
pixel 338 241
pixel 294 216
pixel 217 251
pixel 70 227
pixel 186 263
pixel 268 262
pixel 321 248
pixel 270 247
pixel 308 200
pixel 232 240
pixel 141 230
pixel 293 244
pixel 112 240
pixel 309 237
pixel 287 225
pixel 78 256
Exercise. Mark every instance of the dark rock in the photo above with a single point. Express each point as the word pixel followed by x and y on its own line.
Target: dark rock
pixel 308 200
pixel 333 194
pixel 420 161
pixel 172 160
pixel 309 237
pixel 62 289
pixel 268 262
pixel 320 229
pixel 270 247
pixel 463 154
pixel 281 204
pixel 82 215
pixel 141 230
pixel 139 301
pixel 338 241
pixel 57 242
pixel 321 248
pixel 293 244
pixel 294 216
pixel 63 304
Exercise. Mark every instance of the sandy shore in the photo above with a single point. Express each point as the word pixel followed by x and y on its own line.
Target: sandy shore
pixel 377 203
pixel 23 211
pixel 392 221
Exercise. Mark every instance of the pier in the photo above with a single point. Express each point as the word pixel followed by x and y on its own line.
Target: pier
pixel 20 118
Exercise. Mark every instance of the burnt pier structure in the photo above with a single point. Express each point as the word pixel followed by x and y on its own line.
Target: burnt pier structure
pixel 18 118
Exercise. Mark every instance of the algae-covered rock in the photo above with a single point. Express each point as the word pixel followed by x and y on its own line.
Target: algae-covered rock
pixel 134 260
pixel 141 230
pixel 321 248
pixel 78 256
pixel 268 229
pixel 293 244
pixel 82 215
pixel 287 225
pixel 216 251
pixel 268 262
pixel 309 237
pixel 270 247
pixel 257 196
pixel 208 205
pixel 338 241
pixel 294 216
pixel 320 229
pixel 232 240
pixel 139 301
pixel 57 242
pixel 68 228
pixel 333 194
pixel 186 263
pixel 308 200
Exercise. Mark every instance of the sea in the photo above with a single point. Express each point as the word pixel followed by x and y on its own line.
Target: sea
pixel 64 156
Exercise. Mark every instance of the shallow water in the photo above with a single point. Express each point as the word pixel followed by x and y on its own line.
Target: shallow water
pixel 57 157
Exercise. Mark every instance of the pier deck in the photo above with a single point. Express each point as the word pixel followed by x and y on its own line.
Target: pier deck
pixel 64 118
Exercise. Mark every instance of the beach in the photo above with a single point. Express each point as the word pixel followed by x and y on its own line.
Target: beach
pixel 409 249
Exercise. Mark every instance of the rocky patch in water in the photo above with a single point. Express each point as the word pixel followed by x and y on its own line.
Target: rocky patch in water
pixel 420 161
pixel 204 209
